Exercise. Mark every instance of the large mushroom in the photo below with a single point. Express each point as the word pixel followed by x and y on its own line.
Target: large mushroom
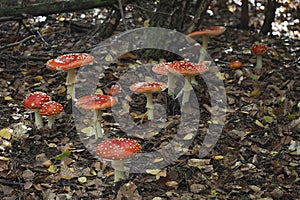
pixel 69 62
pixel 205 34
pixel 50 109
pixel 116 150
pixel 34 101
pixel 148 88
pixel 259 49
pixel 162 70
pixel 96 102
pixel 188 70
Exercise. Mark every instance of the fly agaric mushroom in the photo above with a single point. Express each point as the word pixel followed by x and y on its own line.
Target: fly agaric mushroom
pixel 69 62
pixel 50 109
pixel 188 70
pixel 235 64
pixel 114 90
pixel 148 88
pixel 96 102
pixel 118 149
pixel 162 69
pixel 34 101
pixel 205 34
pixel 259 49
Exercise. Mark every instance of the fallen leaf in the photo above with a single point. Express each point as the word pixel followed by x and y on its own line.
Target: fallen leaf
pixel 6 133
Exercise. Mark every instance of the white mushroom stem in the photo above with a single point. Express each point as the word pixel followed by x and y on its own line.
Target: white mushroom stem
pixel 97 124
pixel 186 89
pixel 193 80
pixel 171 84
pixel 149 106
pixel 203 48
pixel 38 119
pixel 71 79
pixel 50 121
pixel 258 62
pixel 118 166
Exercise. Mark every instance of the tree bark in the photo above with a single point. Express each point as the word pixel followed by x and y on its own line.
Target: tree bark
pixel 244 19
pixel 52 8
pixel 269 16
pixel 182 15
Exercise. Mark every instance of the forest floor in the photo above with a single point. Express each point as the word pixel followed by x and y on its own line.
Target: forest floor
pixel 257 155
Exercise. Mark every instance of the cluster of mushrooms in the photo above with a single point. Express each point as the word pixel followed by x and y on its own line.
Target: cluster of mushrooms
pixel 118 149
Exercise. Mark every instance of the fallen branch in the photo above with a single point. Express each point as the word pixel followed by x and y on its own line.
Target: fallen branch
pixel 17 43
pixel 52 8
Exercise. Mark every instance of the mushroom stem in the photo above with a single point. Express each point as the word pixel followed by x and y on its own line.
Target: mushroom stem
pixel 38 119
pixel 71 79
pixel 171 84
pixel 258 63
pixel 193 80
pixel 50 121
pixel 186 89
pixel 149 106
pixel 118 166
pixel 203 48
pixel 97 124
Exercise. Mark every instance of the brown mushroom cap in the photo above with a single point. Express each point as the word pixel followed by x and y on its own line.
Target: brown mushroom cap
pixel 148 87
pixel 51 108
pixel 187 68
pixel 209 31
pixel 235 64
pixel 96 102
pixel 36 100
pixel 118 148
pixel 70 61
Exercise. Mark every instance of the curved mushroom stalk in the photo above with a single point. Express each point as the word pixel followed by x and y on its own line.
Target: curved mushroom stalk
pixel 71 79
pixel 118 166
pixel 38 119
pixel 98 124
pixel 149 106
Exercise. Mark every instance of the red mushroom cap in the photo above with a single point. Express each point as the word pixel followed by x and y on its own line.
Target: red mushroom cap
pixel 96 102
pixel 36 100
pixel 187 68
pixel 235 64
pixel 148 87
pixel 70 61
pixel 209 31
pixel 259 49
pixel 118 148
pixel 51 108
pixel 160 69
pixel 114 90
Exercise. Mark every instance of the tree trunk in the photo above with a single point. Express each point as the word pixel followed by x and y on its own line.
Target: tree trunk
pixel 52 8
pixel 182 15
pixel 244 19
pixel 269 16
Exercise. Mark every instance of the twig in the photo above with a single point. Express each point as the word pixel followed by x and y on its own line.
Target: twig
pixel 122 14
pixel 17 43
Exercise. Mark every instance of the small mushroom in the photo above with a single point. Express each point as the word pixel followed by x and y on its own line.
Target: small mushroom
pixel 188 70
pixel 34 101
pixel 235 64
pixel 148 88
pixel 96 102
pixel 205 34
pixel 116 150
pixel 162 69
pixel 69 62
pixel 50 109
pixel 259 49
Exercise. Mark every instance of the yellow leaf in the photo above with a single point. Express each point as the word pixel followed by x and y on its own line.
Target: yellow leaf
pixel 158 160
pixel 8 98
pixel 258 123
pixel 255 93
pixel 147 23
pixel 62 90
pixel 219 157
pixel 2 158
pixel 152 171
pixel 52 169
pixel 38 78
pixel 6 133
pixel 82 179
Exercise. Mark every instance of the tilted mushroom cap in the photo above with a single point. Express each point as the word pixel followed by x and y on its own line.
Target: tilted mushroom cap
pixel 114 90
pixel 70 61
pixel 187 68
pixel 148 87
pixel 118 148
pixel 51 108
pixel 209 31
pixel 259 49
pixel 36 100
pixel 96 102
pixel 160 69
